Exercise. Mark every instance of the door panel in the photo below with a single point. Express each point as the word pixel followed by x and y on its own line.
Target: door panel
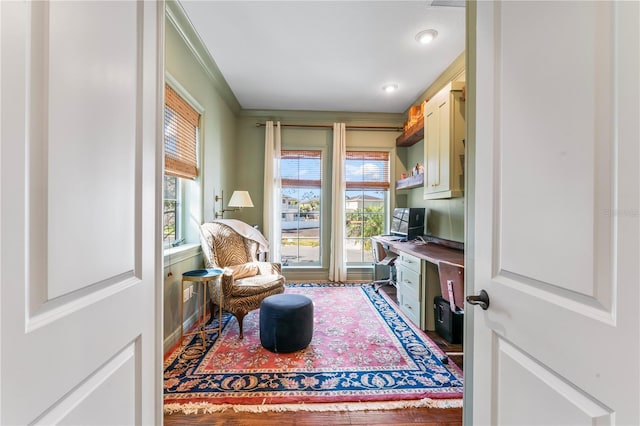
pixel 563 404
pixel 99 69
pixel 555 209
pixel 551 143
pixel 79 167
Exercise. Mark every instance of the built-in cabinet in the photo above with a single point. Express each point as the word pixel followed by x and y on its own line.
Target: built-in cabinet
pixel 410 292
pixel 444 135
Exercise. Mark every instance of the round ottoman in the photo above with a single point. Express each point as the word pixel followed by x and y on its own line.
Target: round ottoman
pixel 286 322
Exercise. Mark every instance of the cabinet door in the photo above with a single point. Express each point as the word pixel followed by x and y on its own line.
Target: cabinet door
pixel 409 302
pixel 437 147
pixel 444 131
pixel 431 147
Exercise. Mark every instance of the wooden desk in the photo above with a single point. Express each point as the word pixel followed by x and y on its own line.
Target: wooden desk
pixel 433 253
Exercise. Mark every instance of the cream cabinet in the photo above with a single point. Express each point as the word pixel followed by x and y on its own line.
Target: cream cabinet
pixel 444 134
pixel 410 291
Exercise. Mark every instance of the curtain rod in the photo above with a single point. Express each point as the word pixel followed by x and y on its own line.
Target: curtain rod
pixel 321 126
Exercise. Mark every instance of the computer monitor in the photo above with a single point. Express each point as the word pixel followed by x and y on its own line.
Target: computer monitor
pixel 407 222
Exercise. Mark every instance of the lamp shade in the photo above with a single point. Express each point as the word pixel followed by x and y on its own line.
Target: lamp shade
pixel 240 199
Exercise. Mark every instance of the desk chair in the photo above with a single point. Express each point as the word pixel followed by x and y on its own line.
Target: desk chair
pixel 383 258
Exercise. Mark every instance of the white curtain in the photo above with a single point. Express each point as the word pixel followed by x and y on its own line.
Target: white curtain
pixel 272 186
pixel 338 260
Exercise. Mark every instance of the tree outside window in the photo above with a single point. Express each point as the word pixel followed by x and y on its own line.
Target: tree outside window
pixel 366 202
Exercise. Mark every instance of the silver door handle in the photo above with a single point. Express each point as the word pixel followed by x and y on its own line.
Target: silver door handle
pixel 482 300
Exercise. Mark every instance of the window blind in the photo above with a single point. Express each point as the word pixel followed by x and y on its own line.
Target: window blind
pixel 301 169
pixel 180 136
pixel 367 170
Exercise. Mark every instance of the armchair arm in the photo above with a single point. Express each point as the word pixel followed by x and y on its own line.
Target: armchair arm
pixel 227 282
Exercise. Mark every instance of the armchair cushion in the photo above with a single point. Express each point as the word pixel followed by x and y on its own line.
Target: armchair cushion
pixel 250 286
pixel 244 270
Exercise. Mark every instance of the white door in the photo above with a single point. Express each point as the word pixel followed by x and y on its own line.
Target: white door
pixel 555 217
pixel 79 179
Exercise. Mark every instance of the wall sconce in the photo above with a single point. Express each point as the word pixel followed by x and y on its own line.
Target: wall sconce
pixel 239 199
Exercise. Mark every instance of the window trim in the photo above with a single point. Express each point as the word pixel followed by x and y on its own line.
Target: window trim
pixel 184 167
pixel 187 209
pixel 368 186
pixel 316 185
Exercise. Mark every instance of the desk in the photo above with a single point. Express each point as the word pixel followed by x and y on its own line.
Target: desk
pixel 201 276
pixel 431 252
pixel 429 283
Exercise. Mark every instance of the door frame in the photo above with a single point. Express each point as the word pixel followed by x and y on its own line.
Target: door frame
pixel 469 194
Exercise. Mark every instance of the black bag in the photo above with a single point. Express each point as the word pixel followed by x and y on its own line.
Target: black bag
pixel 448 324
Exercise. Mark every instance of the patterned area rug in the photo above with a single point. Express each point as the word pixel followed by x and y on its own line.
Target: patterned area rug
pixel 364 355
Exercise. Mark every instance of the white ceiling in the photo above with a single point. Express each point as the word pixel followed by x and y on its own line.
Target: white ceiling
pixel 327 55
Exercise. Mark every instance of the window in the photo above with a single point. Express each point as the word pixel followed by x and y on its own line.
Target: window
pixel 171 213
pixel 301 175
pixel 366 202
pixel 181 135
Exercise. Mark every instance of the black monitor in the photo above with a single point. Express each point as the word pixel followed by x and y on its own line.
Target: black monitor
pixel 407 222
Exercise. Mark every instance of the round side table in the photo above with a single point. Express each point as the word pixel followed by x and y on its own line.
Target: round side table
pixel 202 276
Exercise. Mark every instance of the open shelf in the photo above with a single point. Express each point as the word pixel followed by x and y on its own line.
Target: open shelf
pixel 413 135
pixel 411 182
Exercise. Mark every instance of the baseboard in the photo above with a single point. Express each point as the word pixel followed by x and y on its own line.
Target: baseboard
pixel 353 274
pixel 174 337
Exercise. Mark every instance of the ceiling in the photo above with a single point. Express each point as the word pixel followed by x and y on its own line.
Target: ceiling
pixel 328 55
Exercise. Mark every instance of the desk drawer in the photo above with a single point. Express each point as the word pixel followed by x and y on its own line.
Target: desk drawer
pixel 409 262
pixel 409 279
pixel 409 304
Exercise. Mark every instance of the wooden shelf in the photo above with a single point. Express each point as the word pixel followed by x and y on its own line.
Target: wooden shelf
pixel 411 182
pixel 413 135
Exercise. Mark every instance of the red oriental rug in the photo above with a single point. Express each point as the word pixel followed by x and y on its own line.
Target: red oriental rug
pixel 365 354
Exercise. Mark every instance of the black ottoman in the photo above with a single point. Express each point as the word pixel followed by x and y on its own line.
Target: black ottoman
pixel 286 322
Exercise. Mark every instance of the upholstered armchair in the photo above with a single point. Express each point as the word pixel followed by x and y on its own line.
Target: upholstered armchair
pixel 234 246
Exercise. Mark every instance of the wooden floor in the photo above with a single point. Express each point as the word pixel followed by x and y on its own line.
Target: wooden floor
pixel 422 416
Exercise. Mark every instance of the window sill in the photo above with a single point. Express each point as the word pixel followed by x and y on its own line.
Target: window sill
pixel 173 255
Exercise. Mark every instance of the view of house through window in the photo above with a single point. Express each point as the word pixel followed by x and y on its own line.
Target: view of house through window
pixel 301 174
pixel 181 134
pixel 366 199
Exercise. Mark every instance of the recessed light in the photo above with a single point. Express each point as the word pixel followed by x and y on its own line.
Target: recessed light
pixel 390 88
pixel 426 36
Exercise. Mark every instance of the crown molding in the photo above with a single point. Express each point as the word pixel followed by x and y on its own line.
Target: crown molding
pixel 178 19
pixel 325 117
pixel 453 71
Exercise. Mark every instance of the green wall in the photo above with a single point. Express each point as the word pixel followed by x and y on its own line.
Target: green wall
pixel 184 63
pixel 250 163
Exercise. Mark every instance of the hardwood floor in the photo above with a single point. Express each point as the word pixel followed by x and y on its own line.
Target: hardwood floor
pixel 422 416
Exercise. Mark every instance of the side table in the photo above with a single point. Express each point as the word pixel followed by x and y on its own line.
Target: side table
pixel 202 276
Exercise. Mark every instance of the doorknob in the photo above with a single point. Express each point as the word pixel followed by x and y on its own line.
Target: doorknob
pixel 482 299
